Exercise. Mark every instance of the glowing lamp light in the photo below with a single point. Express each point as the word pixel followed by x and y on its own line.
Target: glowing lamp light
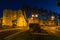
pixel 52 17
pixel 36 15
pixel 32 15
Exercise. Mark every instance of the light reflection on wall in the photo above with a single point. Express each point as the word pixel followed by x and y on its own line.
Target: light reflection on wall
pixel 21 22
pixel 10 15
pixel 21 19
pixel 7 17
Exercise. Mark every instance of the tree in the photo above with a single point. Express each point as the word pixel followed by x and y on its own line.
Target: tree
pixel 40 11
pixel 59 17
pixel 50 14
pixel 34 10
pixel 46 14
pixel 26 9
pixel 56 16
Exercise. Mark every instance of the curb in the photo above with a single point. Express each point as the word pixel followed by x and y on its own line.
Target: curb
pixel 9 29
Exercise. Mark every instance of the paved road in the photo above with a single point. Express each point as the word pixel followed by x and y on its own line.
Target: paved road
pixel 27 36
pixel 7 33
pixel 52 30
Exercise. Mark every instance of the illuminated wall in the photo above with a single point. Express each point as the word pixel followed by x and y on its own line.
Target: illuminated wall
pixel 21 19
pixel 42 22
pixel 10 15
pixel 14 15
pixel 32 20
pixel 47 22
pixel 7 17
pixel 51 22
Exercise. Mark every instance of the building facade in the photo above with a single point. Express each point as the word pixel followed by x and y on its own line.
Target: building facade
pixel 14 18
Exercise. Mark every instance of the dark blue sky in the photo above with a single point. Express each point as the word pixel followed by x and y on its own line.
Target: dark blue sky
pixel 16 4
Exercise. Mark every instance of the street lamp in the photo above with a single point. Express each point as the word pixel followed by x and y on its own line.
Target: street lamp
pixel 36 15
pixel 52 17
pixel 32 15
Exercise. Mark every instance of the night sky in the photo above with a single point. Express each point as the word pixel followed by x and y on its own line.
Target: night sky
pixel 16 4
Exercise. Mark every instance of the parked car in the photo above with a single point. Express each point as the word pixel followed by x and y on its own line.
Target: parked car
pixel 34 27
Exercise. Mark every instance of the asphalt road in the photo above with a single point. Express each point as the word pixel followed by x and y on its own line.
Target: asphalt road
pixel 27 36
pixel 52 30
pixel 7 33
